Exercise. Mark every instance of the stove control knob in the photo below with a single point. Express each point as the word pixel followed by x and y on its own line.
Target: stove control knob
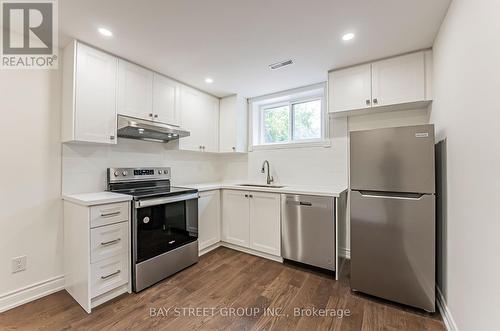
pixel 160 172
pixel 116 173
pixel 125 173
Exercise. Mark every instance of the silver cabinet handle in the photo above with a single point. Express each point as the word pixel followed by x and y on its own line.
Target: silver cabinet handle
pixel 375 101
pixel 106 243
pixel 111 275
pixel 111 137
pixel 367 102
pixel 110 214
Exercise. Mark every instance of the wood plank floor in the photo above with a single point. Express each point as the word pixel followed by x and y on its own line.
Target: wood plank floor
pixel 225 279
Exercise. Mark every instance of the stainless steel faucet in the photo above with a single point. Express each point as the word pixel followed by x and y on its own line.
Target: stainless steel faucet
pixel 270 178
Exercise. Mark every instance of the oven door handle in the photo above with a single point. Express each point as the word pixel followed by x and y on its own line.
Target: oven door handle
pixel 162 201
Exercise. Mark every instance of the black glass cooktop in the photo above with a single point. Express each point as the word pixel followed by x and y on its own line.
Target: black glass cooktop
pixel 140 193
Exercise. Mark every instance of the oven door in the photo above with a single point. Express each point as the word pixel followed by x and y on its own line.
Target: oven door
pixel 163 224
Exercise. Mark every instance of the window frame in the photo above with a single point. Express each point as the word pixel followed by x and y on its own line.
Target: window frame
pixel 291 99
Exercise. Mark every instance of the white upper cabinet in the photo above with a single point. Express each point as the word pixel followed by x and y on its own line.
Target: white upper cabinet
pixel 350 88
pixel 89 95
pixel 398 80
pixel 135 90
pixel 265 216
pixel 200 116
pixel 165 96
pixel 233 131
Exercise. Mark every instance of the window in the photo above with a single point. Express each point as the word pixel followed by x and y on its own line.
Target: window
pixel 289 120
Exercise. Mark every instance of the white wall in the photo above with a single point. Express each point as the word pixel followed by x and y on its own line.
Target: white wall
pixel 466 112
pixel 31 209
pixel 84 166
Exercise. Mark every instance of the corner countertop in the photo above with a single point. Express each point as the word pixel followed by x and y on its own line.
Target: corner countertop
pixel 329 191
pixel 97 198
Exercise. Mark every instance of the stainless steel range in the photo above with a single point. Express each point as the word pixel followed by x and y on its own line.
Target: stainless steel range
pixel 164 223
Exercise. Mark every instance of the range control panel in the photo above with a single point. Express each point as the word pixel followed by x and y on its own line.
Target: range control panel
pixel 131 174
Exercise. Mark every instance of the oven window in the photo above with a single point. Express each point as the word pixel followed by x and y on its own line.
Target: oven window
pixel 162 228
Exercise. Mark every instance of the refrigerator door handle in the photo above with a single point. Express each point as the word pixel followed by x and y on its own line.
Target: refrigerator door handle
pixel 394 196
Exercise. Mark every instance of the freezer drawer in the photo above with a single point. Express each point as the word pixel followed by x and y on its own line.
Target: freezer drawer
pixel 393 247
pixel 308 232
pixel 394 159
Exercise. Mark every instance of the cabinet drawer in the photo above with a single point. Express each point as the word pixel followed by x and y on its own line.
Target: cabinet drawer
pixel 108 274
pixel 107 241
pixel 109 214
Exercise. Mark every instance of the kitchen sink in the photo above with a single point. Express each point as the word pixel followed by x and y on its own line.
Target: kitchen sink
pixel 262 185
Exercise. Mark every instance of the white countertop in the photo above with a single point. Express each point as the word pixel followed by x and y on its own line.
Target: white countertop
pixel 332 191
pixel 97 198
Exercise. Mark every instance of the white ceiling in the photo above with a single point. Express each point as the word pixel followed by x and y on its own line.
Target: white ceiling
pixel 234 41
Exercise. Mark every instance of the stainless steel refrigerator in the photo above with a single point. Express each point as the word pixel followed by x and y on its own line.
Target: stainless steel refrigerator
pixel 392 214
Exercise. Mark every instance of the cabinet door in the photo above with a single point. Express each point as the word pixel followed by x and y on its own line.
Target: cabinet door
pixel 135 91
pixel 210 131
pixel 200 116
pixel 235 217
pixel 233 124
pixel 398 80
pixel 350 88
pixel 165 94
pixel 265 221
pixel 95 97
pixel 209 225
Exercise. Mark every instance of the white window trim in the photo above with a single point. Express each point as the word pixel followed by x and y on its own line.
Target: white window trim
pixel 289 98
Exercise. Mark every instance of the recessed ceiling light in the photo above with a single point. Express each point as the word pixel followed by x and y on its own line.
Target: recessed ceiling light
pixel 348 36
pixel 209 80
pixel 105 32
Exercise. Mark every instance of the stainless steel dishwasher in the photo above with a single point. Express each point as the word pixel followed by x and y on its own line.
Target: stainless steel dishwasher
pixel 308 230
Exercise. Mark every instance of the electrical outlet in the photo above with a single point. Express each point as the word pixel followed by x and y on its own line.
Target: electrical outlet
pixel 19 263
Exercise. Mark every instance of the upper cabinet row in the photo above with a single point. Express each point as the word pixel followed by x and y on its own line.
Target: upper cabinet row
pixel 395 83
pixel 146 94
pixel 98 86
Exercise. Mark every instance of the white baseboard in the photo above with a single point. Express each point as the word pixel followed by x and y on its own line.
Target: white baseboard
pixel 448 320
pixel 31 292
pixel 344 252
pixel 252 252
pixel 209 248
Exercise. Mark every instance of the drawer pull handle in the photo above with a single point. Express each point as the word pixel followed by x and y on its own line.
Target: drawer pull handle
pixel 106 243
pixel 110 214
pixel 305 203
pixel 111 275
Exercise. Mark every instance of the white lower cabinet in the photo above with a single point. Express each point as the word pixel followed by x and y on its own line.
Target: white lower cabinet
pixel 209 225
pixel 252 220
pixel 265 229
pixel 109 274
pixel 96 252
pixel 236 217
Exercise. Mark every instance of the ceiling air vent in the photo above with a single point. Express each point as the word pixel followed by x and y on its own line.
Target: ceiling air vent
pixel 280 64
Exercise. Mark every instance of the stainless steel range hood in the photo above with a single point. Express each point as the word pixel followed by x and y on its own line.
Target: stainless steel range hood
pixel 135 128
